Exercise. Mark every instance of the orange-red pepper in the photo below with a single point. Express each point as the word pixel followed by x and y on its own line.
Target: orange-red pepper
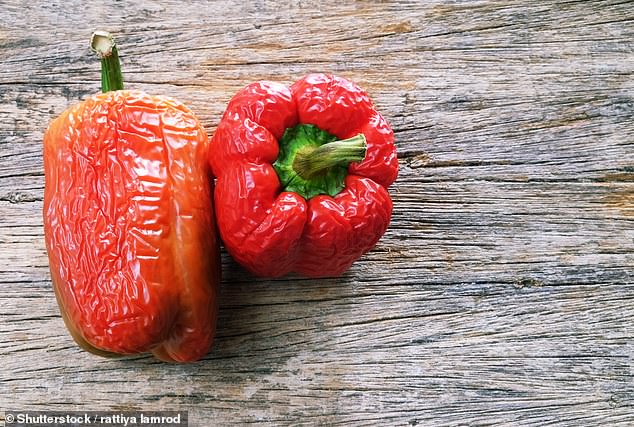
pixel 128 222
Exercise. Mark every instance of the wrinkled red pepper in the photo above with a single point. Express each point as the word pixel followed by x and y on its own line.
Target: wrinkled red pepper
pixel 128 223
pixel 288 197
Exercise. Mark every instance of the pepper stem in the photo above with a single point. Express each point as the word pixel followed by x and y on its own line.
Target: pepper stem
pixel 310 161
pixel 103 43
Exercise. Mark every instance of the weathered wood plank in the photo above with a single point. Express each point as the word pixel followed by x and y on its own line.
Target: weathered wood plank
pixel 502 292
pixel 530 359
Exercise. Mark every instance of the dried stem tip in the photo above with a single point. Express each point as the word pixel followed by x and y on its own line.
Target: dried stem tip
pixel 102 42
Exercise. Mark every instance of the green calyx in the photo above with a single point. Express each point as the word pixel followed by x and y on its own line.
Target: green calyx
pixel 313 162
pixel 103 44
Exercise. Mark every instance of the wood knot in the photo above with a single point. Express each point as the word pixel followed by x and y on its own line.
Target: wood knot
pixel 399 28
pixel 528 282
pixel 15 197
pixel 614 401
pixel 419 161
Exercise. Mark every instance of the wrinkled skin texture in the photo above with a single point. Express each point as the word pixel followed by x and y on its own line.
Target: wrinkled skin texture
pixel 129 227
pixel 272 232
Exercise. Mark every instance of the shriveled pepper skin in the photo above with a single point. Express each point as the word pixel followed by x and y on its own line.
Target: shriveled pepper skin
pixel 129 227
pixel 273 232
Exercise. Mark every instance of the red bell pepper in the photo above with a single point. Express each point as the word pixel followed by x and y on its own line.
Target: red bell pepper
pixel 129 231
pixel 289 196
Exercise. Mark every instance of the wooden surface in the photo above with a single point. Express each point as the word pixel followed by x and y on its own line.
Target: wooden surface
pixel 503 291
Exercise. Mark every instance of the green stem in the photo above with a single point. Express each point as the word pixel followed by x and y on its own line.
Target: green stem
pixel 313 160
pixel 103 43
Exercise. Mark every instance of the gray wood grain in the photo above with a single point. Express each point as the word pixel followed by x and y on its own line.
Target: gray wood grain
pixel 503 291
